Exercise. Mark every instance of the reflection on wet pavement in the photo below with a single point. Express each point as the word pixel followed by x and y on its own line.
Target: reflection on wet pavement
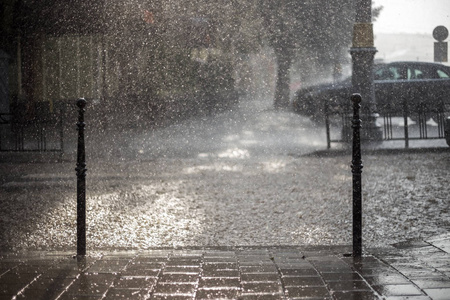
pixel 309 272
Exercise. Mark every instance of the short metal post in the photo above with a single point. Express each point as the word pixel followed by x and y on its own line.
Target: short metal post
pixel 81 181
pixel 405 122
pixel 356 171
pixel 327 125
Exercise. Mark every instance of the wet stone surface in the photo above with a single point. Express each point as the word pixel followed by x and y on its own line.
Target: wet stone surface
pixel 250 176
pixel 251 179
pixel 410 271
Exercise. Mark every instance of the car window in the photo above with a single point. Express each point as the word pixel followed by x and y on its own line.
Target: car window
pixel 388 73
pixel 442 74
pixel 414 73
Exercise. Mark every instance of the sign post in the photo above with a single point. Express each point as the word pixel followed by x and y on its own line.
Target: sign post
pixel 440 33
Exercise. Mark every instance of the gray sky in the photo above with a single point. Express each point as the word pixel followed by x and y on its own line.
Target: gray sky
pixel 412 16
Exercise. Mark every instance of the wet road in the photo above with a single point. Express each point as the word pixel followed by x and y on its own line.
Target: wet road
pixel 251 127
pixel 241 177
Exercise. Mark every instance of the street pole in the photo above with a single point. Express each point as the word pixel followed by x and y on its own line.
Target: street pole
pixel 363 52
pixel 356 177
pixel 81 182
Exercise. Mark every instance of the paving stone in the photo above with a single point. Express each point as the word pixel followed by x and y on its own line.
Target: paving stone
pixel 303 281
pixel 407 298
pixel 112 266
pixel 438 294
pixel 171 297
pixel 254 263
pixel 47 294
pixel 364 260
pixel 150 260
pixel 175 289
pixel 437 276
pixel 7 265
pixel 353 276
pixel 230 259
pixel 255 259
pixel 264 277
pixel 80 287
pixel 221 273
pixel 348 286
pixel 331 269
pixel 100 279
pixel 243 274
pixel 429 283
pixel 253 252
pixel 259 269
pixel 60 273
pixel 378 272
pixel 135 271
pixel 4 271
pixel 182 270
pixel 397 290
pixel 50 283
pixel 183 263
pixel 135 282
pixel 118 257
pixel 294 265
pixel 307 292
pixel 220 266
pixel 128 294
pixel 181 278
pixel 144 264
pixel 219 253
pixel 187 253
pixel 411 244
pixel 66 296
pixel 438 263
pixel 424 273
pixel 11 288
pixel 217 293
pixel 219 283
pixel 258 288
pixel 261 297
pixel 355 295
pixel 15 278
pixel 157 253
pixel 316 254
pixel 386 279
pixel 299 272
pixel 30 269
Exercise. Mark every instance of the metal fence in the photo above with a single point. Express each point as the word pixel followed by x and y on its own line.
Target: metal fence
pixel 404 123
pixel 32 129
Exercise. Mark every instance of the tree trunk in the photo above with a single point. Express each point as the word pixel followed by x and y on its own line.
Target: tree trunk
pixel 282 92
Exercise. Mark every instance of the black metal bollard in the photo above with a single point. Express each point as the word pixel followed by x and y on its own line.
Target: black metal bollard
pixel 356 174
pixel 81 181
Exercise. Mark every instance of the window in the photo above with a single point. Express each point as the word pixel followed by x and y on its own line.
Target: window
pixel 442 74
pixel 391 73
pixel 415 74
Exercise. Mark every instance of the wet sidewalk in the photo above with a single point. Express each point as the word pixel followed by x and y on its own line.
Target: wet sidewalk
pixel 410 270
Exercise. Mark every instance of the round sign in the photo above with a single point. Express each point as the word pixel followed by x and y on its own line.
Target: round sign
pixel 440 33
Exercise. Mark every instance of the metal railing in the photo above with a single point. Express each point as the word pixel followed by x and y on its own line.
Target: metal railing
pixel 407 123
pixel 39 130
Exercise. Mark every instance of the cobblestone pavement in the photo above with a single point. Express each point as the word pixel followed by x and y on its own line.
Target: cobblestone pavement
pixel 409 270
